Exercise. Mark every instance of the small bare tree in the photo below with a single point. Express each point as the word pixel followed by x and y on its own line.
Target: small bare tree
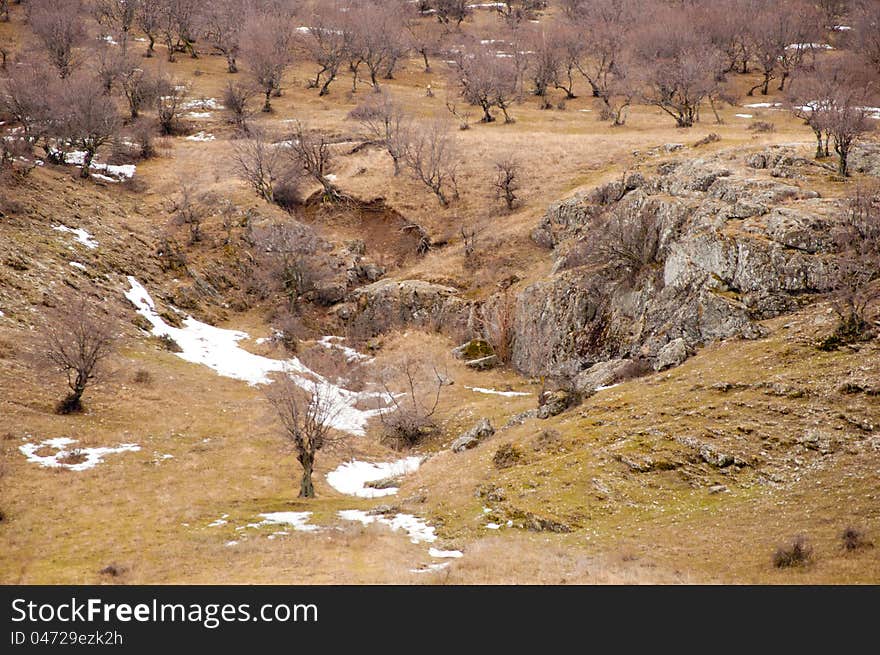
pixel 237 100
pixel 326 41
pixel 222 21
pixel 149 20
pixel 170 97
pixel 289 254
pixel 409 416
pixel 259 164
pixel 386 123
pixel 117 16
pixel 58 24
pixel 308 419
pixel 83 117
pixel 431 157
pixel 309 152
pixel 189 209
pixel 506 180
pixel 499 316
pixel 858 261
pixel 485 80
pixel 266 44
pixel 78 341
pixel 140 88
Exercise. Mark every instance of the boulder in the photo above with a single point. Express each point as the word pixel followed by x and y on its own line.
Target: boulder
pixel 473 349
pixel 554 402
pixel 482 430
pixel 672 354
pixel 483 363
pixel 599 375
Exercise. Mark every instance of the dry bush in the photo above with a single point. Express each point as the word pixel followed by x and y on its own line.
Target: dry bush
pixel 237 99
pixel 78 341
pixel 60 28
pixel 430 154
pixel 763 127
pixel 386 123
pixel 143 376
pixel 414 387
pixel 854 539
pixel 259 164
pixel 266 48
pixel 796 554
pixel 506 456
pixel 507 180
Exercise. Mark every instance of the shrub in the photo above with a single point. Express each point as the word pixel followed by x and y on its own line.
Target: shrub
pixel 143 376
pixel 506 456
pixel 854 539
pixel 798 553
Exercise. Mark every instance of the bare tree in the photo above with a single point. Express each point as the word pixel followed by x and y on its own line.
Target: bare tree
pixel 117 16
pixel 308 418
pixel 189 209
pixel 424 38
pixel 58 24
pixel 289 253
pixel 450 12
pixel 499 315
pixel 222 21
pixel 431 157
pixel 140 88
pixel 259 164
pixel 386 123
pixel 266 44
pixel 858 261
pixel 83 117
pixel 179 26
pixel 23 94
pixel 149 20
pixel 326 42
pixel 506 180
pixel 4 10
pixel 516 11
pixel 676 67
pixel 866 27
pixel 237 100
pixel 78 341
pixel 170 97
pixel 310 153
pixel 378 38
pixel 409 416
pixel 485 80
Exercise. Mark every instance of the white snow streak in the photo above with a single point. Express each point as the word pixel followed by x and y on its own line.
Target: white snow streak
pixel 80 234
pixel 350 478
pixel 93 456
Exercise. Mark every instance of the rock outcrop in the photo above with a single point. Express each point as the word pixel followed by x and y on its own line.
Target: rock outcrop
pixel 470 439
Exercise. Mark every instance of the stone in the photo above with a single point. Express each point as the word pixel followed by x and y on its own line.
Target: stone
pixel 473 349
pixel 717 489
pixel 554 403
pixel 470 439
pixel 599 375
pixel 672 354
pixel 483 363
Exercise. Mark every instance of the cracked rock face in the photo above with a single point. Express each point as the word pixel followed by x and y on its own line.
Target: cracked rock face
pixel 734 248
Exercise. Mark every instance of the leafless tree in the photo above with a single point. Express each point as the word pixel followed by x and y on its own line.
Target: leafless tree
pixel 4 10
pixel 78 341
pixel 23 94
pixel 858 261
pixel 866 27
pixel 290 253
pixel 189 209
pixel 140 88
pixel 179 26
pixel 516 11
pixel 378 38
pixel 117 16
pixel 310 153
pixel 109 62
pixel 259 164
pixel 326 41
pixel 170 98
pixel 149 20
pixel 450 12
pixel 221 22
pixel 724 23
pixel 58 25
pixel 431 157
pixel 386 123
pixel 409 416
pixel 307 416
pixel 507 179
pixel 424 38
pixel 499 315
pixel 237 99
pixel 485 80
pixel 83 117
pixel 266 47
pixel 675 67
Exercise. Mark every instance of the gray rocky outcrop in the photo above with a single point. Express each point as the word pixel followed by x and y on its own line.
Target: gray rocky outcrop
pixel 470 439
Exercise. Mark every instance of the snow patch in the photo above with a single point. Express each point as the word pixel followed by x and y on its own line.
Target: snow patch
pixel 218 349
pixel 79 234
pixel 764 105
pixel 436 552
pixel 508 394
pixel 91 456
pixel 416 529
pixel 493 526
pixel 201 136
pixel 431 568
pixel 297 520
pixel 78 265
pixel 350 478
pixel 744 116
pixel 351 355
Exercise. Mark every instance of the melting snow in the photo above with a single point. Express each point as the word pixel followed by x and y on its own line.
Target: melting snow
pixel 493 526
pixel 93 456
pixel 115 173
pixel 417 529
pixel 764 105
pixel 298 520
pixel 80 234
pixel 351 354
pixel 201 136
pixel 436 552
pixel 744 116
pixel 430 568
pixel 498 393
pixel 218 349
pixel 607 386
pixel 351 477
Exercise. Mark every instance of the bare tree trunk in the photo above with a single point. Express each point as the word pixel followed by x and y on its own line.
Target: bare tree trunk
pixel 306 488
pixel 84 171
pixel 267 107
